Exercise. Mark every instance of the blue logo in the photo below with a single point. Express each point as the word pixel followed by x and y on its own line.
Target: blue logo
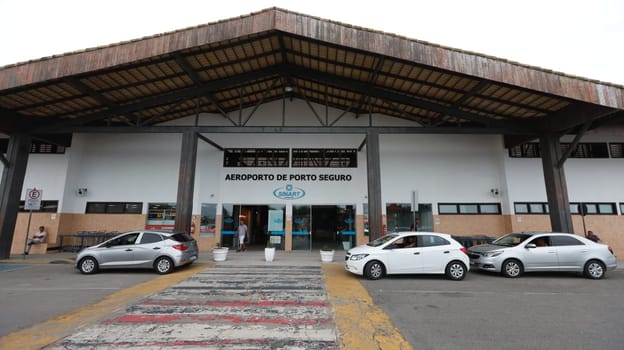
pixel 228 220
pixel 288 192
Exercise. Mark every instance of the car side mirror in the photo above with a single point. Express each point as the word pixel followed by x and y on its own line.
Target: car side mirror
pixel 530 245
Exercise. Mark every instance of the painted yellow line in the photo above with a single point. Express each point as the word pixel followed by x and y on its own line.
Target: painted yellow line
pixel 361 324
pixel 53 330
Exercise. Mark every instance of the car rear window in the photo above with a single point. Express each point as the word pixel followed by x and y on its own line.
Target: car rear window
pixel 181 237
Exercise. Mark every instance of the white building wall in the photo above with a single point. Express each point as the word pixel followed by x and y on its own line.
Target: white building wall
pixel 442 168
pixel 46 172
pixel 588 179
pixel 122 167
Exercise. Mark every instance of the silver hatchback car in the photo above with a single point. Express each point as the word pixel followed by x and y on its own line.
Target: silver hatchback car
pixel 161 251
pixel 516 253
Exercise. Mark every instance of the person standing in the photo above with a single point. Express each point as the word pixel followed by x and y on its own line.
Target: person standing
pixel 243 233
pixel 38 237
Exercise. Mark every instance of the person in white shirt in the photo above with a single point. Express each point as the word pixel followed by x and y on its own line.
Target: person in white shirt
pixel 242 236
pixel 38 237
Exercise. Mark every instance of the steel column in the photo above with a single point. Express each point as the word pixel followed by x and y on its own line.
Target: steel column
pixel 374 185
pixel 556 187
pixel 186 183
pixel 11 189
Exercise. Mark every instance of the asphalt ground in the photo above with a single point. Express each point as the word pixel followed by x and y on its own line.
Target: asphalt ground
pixel 296 302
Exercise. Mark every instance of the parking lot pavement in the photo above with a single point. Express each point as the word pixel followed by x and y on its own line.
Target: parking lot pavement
pixel 487 311
pixel 243 302
pixel 396 312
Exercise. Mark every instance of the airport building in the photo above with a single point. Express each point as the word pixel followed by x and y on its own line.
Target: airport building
pixel 311 131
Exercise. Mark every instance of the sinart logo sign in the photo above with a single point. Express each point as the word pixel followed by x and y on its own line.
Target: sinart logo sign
pixel 288 192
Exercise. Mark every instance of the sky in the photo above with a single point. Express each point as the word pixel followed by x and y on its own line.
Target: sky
pixel 577 37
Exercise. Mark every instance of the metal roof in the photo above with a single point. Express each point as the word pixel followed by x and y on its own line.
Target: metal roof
pixel 273 54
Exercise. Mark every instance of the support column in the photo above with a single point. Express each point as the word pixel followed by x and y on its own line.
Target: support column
pixel 11 189
pixel 374 184
pixel 556 187
pixel 186 183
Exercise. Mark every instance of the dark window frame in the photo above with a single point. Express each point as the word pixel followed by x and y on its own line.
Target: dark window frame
pixel 574 209
pixel 479 211
pixel 126 208
pixel 586 150
pixel 256 158
pixel 544 205
pixel 324 157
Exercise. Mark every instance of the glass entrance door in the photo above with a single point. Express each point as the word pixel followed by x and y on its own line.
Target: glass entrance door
pixel 301 233
pixel 333 226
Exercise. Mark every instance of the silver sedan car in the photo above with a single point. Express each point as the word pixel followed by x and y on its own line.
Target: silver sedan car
pixel 161 251
pixel 516 253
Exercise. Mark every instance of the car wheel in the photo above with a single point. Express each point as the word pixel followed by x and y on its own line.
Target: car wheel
pixel 594 269
pixel 512 268
pixel 455 271
pixel 163 265
pixel 88 265
pixel 374 270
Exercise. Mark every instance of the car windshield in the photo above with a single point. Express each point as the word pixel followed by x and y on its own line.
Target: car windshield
pixel 181 237
pixel 512 239
pixel 381 240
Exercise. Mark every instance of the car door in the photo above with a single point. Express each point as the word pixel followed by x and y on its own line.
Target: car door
pixel 148 248
pixel 119 252
pixel 571 252
pixel 435 253
pixel 542 257
pixel 401 259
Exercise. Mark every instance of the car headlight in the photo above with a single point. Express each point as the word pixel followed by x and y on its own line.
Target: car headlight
pixel 358 256
pixel 492 253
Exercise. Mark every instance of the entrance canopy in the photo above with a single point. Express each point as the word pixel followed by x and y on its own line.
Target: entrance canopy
pixel 225 66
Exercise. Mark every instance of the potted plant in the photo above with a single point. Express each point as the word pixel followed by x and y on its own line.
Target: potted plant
pixel 327 254
pixel 219 253
pixel 269 251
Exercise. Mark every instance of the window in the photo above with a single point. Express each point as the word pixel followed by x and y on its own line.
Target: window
pixel 594 208
pixel 150 237
pixel 431 241
pixel 527 150
pixel 587 150
pixel 208 220
pixel 324 158
pixel 114 208
pixel 125 239
pixel 35 147
pixel 256 158
pixel 531 208
pixel 46 207
pixel 42 147
pixel 582 150
pixel 616 150
pixel 565 240
pixel 469 208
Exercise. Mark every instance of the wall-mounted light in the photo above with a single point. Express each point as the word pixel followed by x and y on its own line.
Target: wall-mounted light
pixel 495 191
pixel 288 88
pixel 81 192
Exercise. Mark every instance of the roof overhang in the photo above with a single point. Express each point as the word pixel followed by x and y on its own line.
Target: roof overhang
pixel 224 67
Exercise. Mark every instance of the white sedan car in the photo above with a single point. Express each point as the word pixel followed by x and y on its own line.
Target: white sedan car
pixel 516 253
pixel 409 253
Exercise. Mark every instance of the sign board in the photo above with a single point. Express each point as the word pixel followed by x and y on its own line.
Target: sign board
pixel 276 220
pixel 414 200
pixel 33 199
